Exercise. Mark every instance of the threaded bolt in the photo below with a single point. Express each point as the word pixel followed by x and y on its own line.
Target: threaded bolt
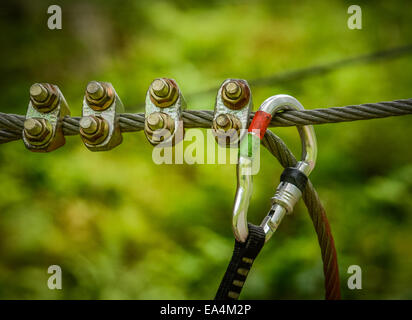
pixel 155 121
pixel 223 122
pixel 160 88
pixel 95 90
pixel 88 125
pixel 233 90
pixel 38 92
pixel 33 127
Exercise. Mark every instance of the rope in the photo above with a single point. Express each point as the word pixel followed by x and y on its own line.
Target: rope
pixel 11 125
pixel 318 215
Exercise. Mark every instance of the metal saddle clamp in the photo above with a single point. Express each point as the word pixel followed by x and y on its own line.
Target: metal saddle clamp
pixel 43 131
pixel 163 113
pixel 99 126
pixel 293 180
pixel 231 114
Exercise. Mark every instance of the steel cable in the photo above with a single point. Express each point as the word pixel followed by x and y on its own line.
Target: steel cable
pixel 318 215
pixel 11 125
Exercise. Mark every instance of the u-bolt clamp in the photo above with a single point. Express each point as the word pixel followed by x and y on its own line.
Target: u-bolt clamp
pixel 293 180
pixel 163 113
pixel 43 130
pixel 231 114
pixel 99 126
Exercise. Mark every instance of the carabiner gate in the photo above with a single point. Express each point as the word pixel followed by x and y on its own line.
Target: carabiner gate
pixel 293 180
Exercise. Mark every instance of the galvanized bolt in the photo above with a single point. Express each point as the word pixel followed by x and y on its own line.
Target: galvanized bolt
pixel 155 121
pixel 163 92
pixel 37 131
pixel 159 126
pixel 44 97
pixel 93 129
pixel 235 94
pixel 223 122
pixel 233 90
pixel 99 95
pixel 88 124
pixel 226 126
pixel 33 127
pixel 95 90
pixel 38 92
pixel 160 88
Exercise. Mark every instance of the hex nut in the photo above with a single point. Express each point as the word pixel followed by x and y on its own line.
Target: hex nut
pixel 226 127
pixel 38 131
pixel 158 127
pixel 235 94
pixel 44 97
pixel 160 88
pixel 99 95
pixel 93 129
pixel 164 92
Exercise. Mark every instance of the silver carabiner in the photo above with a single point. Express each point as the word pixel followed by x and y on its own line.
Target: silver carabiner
pixel 287 193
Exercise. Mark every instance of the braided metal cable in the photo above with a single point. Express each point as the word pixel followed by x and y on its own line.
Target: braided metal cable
pixel 203 118
pixel 11 125
pixel 318 215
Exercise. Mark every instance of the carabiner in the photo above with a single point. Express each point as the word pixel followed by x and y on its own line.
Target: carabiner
pixel 293 180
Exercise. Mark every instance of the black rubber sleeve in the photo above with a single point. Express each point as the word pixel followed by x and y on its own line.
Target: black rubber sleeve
pixel 243 257
pixel 295 177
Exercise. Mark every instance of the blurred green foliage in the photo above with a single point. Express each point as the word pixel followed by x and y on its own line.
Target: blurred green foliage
pixel 122 227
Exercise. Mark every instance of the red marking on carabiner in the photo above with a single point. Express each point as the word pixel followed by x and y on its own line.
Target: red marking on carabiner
pixel 260 122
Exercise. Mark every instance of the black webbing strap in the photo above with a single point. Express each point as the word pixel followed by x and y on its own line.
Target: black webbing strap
pixel 243 256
